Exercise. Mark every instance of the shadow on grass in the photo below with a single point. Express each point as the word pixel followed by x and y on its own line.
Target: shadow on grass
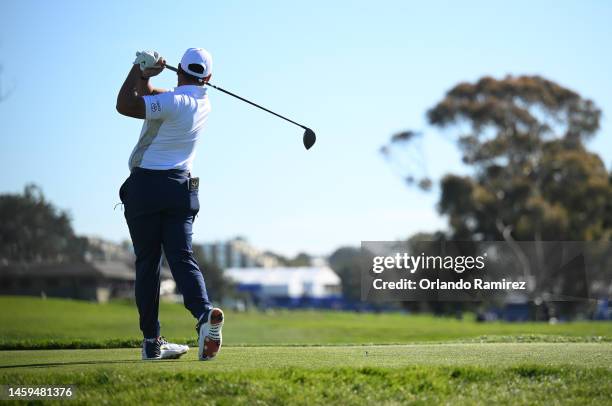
pixel 61 364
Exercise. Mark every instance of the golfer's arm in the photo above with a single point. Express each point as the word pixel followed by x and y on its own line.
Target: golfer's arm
pixel 144 88
pixel 151 90
pixel 129 103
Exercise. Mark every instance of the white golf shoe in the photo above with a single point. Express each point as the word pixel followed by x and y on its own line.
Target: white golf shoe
pixel 209 334
pixel 159 348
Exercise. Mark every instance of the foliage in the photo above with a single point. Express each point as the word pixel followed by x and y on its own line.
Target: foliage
pixel 301 259
pixel 346 262
pixel 32 229
pixel 532 177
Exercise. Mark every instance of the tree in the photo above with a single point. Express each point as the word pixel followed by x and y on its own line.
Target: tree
pixel 302 259
pixel 32 229
pixel 533 179
pixel 347 263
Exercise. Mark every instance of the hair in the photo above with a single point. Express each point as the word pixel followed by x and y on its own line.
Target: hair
pixel 195 68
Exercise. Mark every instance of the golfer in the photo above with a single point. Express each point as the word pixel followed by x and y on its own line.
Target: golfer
pixel 161 197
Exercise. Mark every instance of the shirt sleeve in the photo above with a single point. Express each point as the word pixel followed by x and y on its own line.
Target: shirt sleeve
pixel 160 106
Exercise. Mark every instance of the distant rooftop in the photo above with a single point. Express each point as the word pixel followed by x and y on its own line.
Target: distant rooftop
pixel 104 269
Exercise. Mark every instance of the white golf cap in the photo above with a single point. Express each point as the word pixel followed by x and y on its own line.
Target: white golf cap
pixel 200 58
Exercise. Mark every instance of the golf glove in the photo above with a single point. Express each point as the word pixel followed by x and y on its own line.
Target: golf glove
pixel 146 59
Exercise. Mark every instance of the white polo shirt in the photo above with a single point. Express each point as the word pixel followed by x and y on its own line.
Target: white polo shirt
pixel 174 123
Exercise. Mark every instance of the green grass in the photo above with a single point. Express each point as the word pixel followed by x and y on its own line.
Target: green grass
pixel 37 323
pixel 306 357
pixel 502 373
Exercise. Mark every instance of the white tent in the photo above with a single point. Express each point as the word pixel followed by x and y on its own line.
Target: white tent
pixel 314 282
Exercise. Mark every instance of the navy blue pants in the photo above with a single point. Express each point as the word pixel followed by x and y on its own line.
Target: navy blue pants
pixel 160 210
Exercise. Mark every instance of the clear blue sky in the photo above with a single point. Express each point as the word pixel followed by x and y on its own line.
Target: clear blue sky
pixel 354 71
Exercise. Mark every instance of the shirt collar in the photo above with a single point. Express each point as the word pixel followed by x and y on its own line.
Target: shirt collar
pixel 198 91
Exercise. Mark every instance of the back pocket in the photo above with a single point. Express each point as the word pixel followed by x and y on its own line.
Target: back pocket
pixel 194 201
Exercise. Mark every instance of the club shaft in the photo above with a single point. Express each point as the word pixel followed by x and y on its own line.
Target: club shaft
pixel 172 68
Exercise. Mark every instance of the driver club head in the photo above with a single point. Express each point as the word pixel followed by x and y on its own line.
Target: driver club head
pixel 309 138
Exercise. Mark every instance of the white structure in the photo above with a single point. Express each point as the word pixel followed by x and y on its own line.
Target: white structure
pixel 236 253
pixel 290 283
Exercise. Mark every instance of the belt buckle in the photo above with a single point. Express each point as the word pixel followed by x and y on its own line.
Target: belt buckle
pixel 194 184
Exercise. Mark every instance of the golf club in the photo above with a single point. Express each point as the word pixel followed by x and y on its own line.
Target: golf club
pixel 309 136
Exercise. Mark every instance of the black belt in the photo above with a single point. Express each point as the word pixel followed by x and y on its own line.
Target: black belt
pixel 183 172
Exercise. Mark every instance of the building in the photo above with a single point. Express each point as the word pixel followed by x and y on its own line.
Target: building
pixel 96 281
pixel 103 250
pixel 86 281
pixel 318 287
pixel 107 273
pixel 236 253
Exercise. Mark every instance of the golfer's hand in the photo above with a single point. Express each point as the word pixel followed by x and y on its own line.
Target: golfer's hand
pixel 156 69
pixel 149 60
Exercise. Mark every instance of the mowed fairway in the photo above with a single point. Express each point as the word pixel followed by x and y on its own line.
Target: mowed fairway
pixel 494 373
pixel 307 358
pixel 28 323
